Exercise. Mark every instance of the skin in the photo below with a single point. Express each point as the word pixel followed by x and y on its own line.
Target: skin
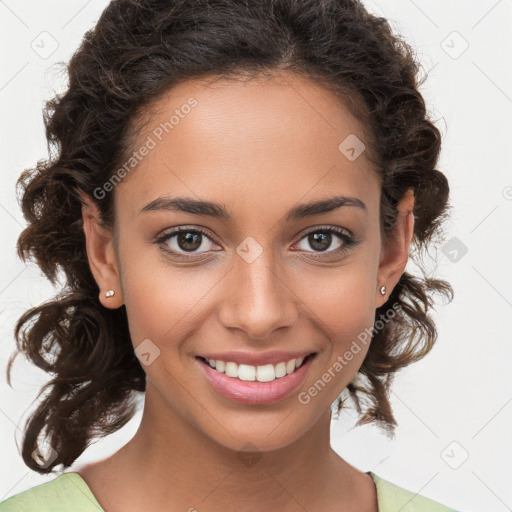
pixel 259 148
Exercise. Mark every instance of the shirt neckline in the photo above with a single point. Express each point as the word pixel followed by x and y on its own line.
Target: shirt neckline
pixel 77 479
pixel 86 490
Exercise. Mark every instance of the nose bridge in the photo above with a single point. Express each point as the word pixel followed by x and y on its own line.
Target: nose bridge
pixel 259 299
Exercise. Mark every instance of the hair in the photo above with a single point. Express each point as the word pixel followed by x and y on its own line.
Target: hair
pixel 137 51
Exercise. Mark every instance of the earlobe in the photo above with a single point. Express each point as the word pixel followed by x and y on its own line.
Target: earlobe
pixel 395 250
pixel 101 255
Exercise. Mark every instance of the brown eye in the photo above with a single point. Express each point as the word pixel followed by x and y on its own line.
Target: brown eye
pixel 188 240
pixel 321 239
pixel 181 241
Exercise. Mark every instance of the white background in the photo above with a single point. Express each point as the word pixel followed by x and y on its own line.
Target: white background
pixel 456 402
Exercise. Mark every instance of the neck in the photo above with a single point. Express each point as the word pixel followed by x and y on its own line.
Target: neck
pixel 170 461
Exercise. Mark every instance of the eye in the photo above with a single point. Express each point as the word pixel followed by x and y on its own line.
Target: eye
pixel 320 239
pixel 184 240
pixel 181 241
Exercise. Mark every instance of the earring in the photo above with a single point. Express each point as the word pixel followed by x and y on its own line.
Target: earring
pixel 109 293
pixel 383 290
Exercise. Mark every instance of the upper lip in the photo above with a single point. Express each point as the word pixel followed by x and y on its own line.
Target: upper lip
pixel 255 359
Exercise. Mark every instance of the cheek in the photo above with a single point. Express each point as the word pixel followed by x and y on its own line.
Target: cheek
pixel 343 307
pixel 163 304
pixel 347 318
pixel 342 299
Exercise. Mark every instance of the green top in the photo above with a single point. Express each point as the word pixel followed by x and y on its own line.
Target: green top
pixel 69 493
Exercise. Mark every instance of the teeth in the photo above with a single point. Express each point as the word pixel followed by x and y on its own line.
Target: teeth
pixel 231 369
pixel 280 370
pixel 247 372
pixel 265 373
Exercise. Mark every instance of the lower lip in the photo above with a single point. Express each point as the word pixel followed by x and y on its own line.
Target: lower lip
pixel 254 392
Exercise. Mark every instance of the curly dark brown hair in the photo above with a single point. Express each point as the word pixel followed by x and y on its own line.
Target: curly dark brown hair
pixel 137 51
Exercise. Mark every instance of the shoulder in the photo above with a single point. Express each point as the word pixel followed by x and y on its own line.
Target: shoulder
pixel 66 492
pixel 392 497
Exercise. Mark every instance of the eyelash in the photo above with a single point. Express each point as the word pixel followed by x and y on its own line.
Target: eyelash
pixel 348 240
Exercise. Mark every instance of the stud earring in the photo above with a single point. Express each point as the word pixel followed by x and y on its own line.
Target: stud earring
pixel 383 290
pixel 109 293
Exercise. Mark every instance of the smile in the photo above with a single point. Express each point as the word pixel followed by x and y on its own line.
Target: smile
pixel 264 373
pixel 251 384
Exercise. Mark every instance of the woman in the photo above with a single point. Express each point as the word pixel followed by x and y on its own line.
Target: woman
pixel 235 195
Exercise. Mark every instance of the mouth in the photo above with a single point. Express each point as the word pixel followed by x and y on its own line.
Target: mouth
pixel 260 373
pixel 250 384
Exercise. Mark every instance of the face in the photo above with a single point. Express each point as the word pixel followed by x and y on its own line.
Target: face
pixel 258 279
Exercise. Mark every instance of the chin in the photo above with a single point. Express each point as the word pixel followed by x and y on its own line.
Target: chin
pixel 259 432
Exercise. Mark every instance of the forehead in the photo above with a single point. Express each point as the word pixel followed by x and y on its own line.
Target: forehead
pixel 244 142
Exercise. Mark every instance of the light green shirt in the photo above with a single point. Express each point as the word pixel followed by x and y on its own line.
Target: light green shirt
pixel 69 493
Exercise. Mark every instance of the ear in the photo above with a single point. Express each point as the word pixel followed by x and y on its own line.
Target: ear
pixel 395 249
pixel 101 254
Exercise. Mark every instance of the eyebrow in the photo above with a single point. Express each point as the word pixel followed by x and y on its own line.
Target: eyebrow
pixel 207 208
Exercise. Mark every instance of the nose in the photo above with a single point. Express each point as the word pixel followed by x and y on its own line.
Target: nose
pixel 258 299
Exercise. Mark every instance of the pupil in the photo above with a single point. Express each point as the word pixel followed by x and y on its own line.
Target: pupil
pixel 315 238
pixel 185 239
